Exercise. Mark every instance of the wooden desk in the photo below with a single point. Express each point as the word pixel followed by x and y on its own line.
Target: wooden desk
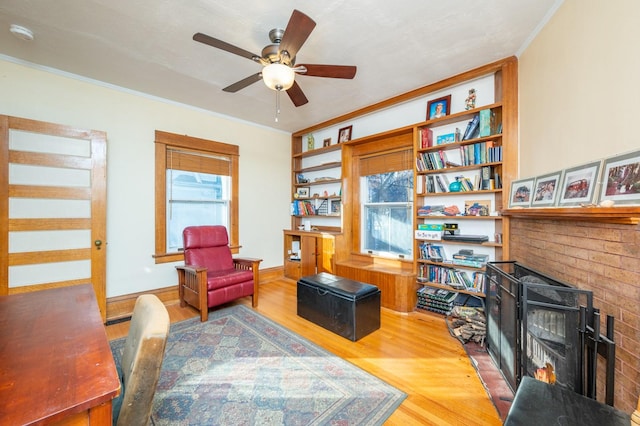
pixel 56 365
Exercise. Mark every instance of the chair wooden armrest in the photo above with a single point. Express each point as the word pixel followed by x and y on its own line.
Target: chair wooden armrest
pixel 192 288
pixel 252 264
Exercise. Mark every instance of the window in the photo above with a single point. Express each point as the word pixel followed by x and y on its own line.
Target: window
pixel 387 212
pixel 196 184
pixel 386 194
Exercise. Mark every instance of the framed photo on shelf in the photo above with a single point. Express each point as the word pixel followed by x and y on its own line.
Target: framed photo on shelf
pixel 621 179
pixel 546 189
pixel 303 192
pixel 520 195
pixel 440 107
pixel 579 185
pixel 344 134
pixel 477 207
pixel 326 142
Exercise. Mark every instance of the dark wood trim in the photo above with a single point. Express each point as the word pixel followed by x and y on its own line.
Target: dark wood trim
pixel 618 215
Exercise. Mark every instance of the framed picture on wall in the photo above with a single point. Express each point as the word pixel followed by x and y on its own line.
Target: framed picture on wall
pixel 344 134
pixel 440 107
pixel 579 185
pixel 621 179
pixel 546 189
pixel 520 195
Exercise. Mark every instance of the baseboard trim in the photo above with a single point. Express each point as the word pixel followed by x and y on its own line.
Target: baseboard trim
pixel 120 308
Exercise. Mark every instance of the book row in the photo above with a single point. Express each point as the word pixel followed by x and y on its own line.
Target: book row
pixel 455 278
pixel 487 179
pixel 467 155
pixel 303 208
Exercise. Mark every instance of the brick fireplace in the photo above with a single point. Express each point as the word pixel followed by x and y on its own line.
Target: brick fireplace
pixel 605 259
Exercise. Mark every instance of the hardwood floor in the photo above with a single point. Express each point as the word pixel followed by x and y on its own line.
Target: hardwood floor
pixel 413 352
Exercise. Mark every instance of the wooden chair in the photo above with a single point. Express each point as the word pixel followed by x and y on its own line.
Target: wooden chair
pixel 210 275
pixel 141 362
pixel 635 416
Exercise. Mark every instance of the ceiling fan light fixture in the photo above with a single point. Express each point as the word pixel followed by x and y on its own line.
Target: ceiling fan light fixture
pixel 278 76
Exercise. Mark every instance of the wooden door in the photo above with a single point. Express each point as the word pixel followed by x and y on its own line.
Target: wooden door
pixel 308 260
pixel 52 207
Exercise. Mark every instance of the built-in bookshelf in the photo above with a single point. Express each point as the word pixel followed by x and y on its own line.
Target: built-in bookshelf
pixel 459 189
pixel 316 186
pixel 484 161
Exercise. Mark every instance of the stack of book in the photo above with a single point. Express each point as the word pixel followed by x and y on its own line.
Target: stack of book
pixel 468 258
pixel 436 300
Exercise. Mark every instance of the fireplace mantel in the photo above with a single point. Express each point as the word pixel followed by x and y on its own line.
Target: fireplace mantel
pixel 618 215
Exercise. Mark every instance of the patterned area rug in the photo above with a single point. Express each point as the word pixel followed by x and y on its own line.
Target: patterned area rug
pixel 240 368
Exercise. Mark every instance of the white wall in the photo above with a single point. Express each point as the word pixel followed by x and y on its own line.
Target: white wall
pixel 130 121
pixel 579 86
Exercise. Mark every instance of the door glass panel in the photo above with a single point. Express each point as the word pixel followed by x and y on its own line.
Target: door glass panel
pixel 26 241
pixel 25 275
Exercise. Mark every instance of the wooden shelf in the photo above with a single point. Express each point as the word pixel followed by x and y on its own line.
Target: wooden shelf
pixel 439 194
pixel 463 115
pixel 450 218
pixel 450 145
pixel 321 197
pixel 317 151
pixel 616 215
pixel 318 182
pixel 450 288
pixel 453 169
pixel 449 265
pixel 324 166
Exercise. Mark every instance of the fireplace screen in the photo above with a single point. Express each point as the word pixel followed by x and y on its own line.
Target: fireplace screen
pixel 533 325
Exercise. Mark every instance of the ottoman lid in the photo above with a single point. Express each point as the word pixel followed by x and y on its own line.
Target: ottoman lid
pixel 339 285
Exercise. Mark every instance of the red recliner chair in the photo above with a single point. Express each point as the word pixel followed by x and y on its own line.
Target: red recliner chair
pixel 210 275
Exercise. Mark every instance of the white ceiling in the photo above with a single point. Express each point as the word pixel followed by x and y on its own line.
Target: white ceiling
pixel 146 46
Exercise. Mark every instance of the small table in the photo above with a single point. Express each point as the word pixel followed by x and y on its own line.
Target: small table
pixel 56 363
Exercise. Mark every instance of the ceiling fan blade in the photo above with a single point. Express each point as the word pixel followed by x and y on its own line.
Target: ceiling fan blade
pixel 297 95
pixel 243 83
pixel 223 45
pixel 331 71
pixel 298 30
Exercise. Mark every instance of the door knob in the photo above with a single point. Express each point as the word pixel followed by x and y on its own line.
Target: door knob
pixel 98 244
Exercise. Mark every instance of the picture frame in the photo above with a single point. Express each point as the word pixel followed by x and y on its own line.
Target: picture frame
pixel 326 142
pixel 546 189
pixel 344 134
pixel 477 208
pixel 437 108
pixel 303 192
pixel 310 142
pixel 621 179
pixel 579 185
pixel 521 191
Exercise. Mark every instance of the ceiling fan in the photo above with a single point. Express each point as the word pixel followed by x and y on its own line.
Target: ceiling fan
pixel 278 59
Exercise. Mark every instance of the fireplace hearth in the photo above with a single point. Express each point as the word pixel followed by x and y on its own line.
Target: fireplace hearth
pixel 541 327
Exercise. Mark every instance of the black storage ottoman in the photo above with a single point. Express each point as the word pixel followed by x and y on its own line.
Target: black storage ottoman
pixel 348 308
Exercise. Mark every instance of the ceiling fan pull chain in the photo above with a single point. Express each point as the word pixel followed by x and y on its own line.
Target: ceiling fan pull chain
pixel 277 104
